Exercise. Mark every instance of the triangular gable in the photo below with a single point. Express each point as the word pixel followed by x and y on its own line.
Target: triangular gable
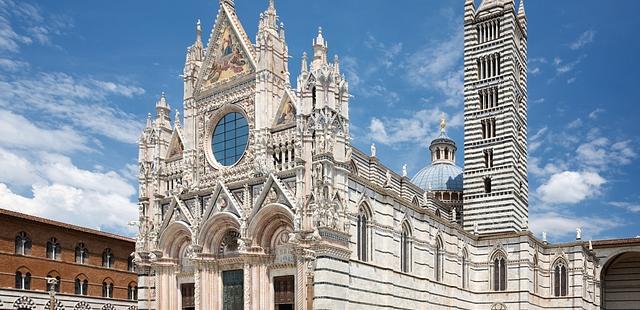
pixel 222 200
pixel 176 147
pixel 229 53
pixel 184 211
pixel 287 111
pixel 274 192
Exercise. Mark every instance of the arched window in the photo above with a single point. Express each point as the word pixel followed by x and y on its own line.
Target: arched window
pixel 107 288
pixel 23 244
pixel 131 265
pixel 535 273
pixel 23 280
pixel 313 97
pixel 362 235
pixel 107 258
pixel 53 249
pixel 405 248
pixel 465 269
pixel 437 153
pixel 560 280
pixel 82 254
pixel 487 185
pixel 438 259
pixel 132 292
pixel 81 286
pixel 499 273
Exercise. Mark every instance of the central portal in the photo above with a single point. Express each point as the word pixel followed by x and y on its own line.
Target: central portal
pixel 232 290
pixel 283 288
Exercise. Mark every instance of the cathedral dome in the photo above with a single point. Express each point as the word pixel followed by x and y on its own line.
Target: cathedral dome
pixel 439 177
pixel 442 174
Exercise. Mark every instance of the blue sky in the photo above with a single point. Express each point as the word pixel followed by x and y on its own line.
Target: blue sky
pixel 77 79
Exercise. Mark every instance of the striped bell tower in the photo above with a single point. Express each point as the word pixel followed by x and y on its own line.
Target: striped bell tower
pixel 495 129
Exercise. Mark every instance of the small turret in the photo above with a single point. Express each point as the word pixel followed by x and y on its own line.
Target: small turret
pixel 522 16
pixel 469 10
pixel 163 112
pixel 320 48
pixel 305 65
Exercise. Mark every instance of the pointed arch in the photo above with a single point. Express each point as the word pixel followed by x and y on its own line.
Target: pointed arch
pixel 536 268
pixel 560 272
pixel 363 228
pixel 354 167
pixel 406 246
pixel 499 270
pixel 465 268
pixel 415 200
pixel 438 259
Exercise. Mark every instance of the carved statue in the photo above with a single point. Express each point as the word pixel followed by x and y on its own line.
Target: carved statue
pixel 578 233
pixel 373 150
pixel 404 170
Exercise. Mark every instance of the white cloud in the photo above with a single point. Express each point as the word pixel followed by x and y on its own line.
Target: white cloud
pixel 12 65
pixel 600 153
pixel 595 113
pixel 17 170
pixel 577 123
pixel 34 26
pixel 585 38
pixel 630 206
pixel 439 65
pixel 563 67
pixel 570 187
pixel 418 128
pixel 561 226
pixel 18 132
pixel 65 192
pixel 388 52
pixel 548 169
pixel 75 101
pixel 120 89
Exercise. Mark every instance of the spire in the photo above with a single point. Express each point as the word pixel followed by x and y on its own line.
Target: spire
pixel 162 103
pixel 270 17
pixel 336 63
pixel 305 66
pixel 177 120
pixel 319 39
pixel 521 9
pixel 229 2
pixel 198 31
pixel 469 10
pixel 149 122
pixel 319 51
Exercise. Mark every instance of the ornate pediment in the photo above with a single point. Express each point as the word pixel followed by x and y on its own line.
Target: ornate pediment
pixel 176 147
pixel 286 112
pixel 229 52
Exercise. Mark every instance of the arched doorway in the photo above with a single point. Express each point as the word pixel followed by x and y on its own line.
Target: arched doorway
pixel 621 282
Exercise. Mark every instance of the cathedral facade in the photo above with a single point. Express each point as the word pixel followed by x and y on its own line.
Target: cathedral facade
pixel 254 198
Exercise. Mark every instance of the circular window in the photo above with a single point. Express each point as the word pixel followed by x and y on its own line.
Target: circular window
pixel 230 138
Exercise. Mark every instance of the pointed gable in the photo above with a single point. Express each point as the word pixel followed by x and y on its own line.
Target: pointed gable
pixel 229 53
pixel 287 111
pixel 176 147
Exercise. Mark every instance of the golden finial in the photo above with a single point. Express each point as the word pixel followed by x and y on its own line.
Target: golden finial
pixel 443 123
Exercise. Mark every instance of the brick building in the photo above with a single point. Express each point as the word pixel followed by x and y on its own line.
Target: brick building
pixel 94 269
